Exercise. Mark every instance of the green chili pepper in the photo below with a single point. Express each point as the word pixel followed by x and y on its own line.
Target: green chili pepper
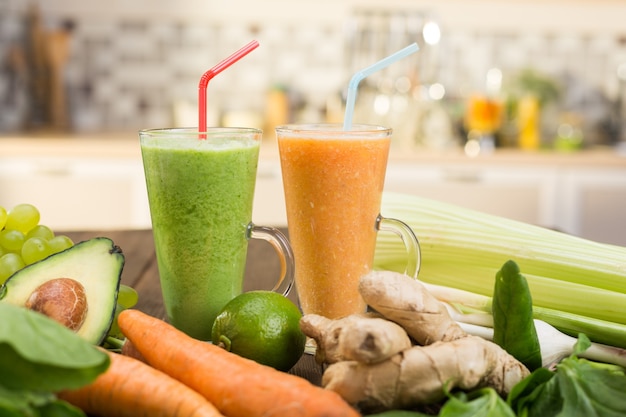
pixel 512 309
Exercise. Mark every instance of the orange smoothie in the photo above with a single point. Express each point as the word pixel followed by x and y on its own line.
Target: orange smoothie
pixel 333 182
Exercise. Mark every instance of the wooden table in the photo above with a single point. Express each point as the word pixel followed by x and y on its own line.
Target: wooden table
pixel 141 273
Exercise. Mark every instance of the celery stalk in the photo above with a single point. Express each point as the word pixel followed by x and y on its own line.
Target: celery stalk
pixel 461 248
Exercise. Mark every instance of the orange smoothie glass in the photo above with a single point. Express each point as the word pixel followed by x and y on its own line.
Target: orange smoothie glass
pixel 333 182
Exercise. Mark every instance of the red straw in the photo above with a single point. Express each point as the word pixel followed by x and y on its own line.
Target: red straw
pixel 207 76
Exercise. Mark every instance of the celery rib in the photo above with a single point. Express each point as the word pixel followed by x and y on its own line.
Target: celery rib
pixel 463 249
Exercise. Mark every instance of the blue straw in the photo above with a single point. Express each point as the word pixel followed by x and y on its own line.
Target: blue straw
pixel 356 79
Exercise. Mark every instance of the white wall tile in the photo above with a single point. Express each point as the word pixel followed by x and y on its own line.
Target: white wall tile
pixel 124 50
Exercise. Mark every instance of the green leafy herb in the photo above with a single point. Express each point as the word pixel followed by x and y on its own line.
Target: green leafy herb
pixel 39 357
pixel 527 390
pixel 485 402
pixel 512 309
pixel 16 403
pixel 577 387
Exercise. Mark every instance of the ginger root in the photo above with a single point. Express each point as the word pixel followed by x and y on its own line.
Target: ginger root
pixel 405 301
pixel 418 375
pixel 445 357
pixel 365 338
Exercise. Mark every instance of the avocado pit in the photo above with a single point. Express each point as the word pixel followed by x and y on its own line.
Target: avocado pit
pixel 61 299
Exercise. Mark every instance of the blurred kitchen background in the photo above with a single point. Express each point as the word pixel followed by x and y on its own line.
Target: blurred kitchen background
pixel 513 107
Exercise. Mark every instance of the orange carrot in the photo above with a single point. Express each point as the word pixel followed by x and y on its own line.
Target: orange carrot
pixel 131 388
pixel 237 386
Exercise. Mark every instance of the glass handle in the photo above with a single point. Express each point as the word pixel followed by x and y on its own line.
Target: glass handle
pixel 283 249
pixel 409 239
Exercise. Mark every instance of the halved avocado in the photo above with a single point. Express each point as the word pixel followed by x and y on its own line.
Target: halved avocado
pixel 77 287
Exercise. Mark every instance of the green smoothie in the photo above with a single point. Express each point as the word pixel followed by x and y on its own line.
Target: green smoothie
pixel 200 193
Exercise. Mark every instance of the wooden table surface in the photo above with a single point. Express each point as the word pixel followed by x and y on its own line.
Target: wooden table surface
pixel 141 273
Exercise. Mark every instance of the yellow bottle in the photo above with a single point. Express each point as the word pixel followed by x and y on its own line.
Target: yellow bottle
pixel 277 112
pixel 528 122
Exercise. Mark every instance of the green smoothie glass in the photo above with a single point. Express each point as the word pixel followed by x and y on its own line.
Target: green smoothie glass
pixel 200 191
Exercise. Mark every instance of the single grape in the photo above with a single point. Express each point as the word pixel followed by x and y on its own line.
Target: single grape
pixel 3 217
pixel 114 330
pixel 12 240
pixel 23 217
pixel 41 231
pixel 60 243
pixel 35 249
pixel 127 297
pixel 10 263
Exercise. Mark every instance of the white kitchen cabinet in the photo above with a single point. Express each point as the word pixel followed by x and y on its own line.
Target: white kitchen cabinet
pixel 589 202
pixel 593 204
pixel 78 193
pixel 269 198
pixel 524 193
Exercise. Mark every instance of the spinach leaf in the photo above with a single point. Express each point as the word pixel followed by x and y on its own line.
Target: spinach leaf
pixel 60 409
pixel 512 309
pixel 527 390
pixel 590 390
pixel 39 354
pixel 485 402
pixel 16 403
pixel 577 387
pixel 21 403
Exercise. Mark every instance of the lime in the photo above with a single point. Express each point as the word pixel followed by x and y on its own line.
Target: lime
pixel 263 326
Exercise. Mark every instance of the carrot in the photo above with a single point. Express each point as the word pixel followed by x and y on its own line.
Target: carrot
pixel 238 387
pixel 131 388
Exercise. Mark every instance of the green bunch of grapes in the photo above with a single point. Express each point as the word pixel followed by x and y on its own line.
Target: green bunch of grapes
pixel 24 241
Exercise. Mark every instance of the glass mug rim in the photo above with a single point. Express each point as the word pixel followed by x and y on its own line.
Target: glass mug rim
pixel 193 131
pixel 333 129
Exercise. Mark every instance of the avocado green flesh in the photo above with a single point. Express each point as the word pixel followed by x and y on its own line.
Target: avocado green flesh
pixel 96 263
